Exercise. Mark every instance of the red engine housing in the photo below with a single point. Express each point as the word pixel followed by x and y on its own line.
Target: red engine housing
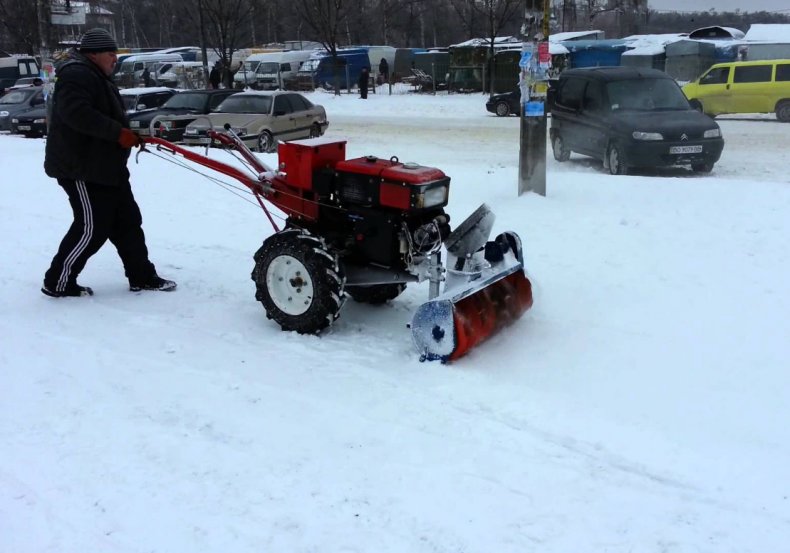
pixel 367 180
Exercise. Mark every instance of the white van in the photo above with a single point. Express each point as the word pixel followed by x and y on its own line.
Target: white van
pixel 130 73
pixel 270 70
pixel 16 67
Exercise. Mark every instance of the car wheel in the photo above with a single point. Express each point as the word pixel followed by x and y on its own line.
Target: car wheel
pixel 265 142
pixel 704 167
pixel 315 130
pixel 695 104
pixel 616 160
pixel 502 109
pixel 783 111
pixel 561 153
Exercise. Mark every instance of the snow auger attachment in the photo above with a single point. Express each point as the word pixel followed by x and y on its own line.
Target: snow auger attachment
pixel 365 228
pixel 485 290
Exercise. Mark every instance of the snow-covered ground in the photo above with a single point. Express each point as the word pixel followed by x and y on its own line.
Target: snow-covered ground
pixel 640 406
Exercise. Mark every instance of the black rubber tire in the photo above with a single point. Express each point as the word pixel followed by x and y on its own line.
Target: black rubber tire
pixel 376 294
pixel 266 143
pixel 783 111
pixel 312 312
pixel 561 153
pixel 616 161
pixel 704 167
pixel 502 109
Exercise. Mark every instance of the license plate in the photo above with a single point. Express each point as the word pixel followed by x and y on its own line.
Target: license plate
pixel 24 127
pixel 686 149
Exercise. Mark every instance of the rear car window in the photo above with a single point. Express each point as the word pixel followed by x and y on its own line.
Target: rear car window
pixel 752 74
pixel 783 71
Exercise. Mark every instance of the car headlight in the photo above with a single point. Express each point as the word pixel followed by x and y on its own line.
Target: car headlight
pixel 3 114
pixel 134 124
pixel 15 120
pixel 432 197
pixel 712 133
pixel 39 121
pixel 639 135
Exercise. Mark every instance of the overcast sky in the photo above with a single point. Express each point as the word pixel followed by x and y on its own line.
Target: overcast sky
pixel 720 5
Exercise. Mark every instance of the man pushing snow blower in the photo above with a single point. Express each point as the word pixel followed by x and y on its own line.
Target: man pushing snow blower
pixel 365 228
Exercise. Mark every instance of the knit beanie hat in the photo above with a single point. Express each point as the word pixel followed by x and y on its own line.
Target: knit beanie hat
pixel 97 40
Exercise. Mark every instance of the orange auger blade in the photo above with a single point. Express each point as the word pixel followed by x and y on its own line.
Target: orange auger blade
pixel 445 330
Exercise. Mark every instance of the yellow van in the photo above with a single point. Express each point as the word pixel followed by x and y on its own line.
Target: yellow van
pixel 743 87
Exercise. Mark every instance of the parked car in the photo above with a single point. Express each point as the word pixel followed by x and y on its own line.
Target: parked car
pixel 506 103
pixel 141 99
pixel 184 104
pixel 25 82
pixel 743 87
pixel 630 117
pixel 261 119
pixel 31 122
pixel 19 100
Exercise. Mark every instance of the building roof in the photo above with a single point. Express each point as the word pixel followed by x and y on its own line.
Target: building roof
pixel 768 32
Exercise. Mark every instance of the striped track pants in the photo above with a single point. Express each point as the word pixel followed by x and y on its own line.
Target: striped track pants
pixel 101 213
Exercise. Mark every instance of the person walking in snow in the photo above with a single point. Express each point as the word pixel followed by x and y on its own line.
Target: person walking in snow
pixel 384 70
pixel 364 77
pixel 215 76
pixel 87 149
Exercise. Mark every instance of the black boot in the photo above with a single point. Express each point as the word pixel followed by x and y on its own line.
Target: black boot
pixel 71 291
pixel 154 283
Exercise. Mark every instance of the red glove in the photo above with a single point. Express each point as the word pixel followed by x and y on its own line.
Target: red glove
pixel 129 139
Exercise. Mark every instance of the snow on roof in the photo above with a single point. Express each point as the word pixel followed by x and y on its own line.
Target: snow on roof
pixel 717 32
pixel 144 90
pixel 499 42
pixel 570 35
pixel 768 32
pixel 650 45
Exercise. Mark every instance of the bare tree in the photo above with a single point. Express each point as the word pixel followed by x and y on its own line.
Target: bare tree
pixel 20 20
pixel 327 19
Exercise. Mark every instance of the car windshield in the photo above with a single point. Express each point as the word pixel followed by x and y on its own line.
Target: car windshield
pixel 268 67
pixel 646 95
pixel 186 101
pixel 246 104
pixel 17 96
pixel 309 65
pixel 249 66
pixel 129 102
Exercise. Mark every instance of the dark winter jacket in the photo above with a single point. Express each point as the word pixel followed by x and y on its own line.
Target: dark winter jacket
pixel 86 121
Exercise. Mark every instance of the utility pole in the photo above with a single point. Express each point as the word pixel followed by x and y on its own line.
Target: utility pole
pixel 43 13
pixel 535 63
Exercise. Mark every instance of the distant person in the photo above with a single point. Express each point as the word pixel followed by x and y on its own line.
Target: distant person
pixel 87 149
pixel 215 76
pixel 364 77
pixel 146 77
pixel 384 70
